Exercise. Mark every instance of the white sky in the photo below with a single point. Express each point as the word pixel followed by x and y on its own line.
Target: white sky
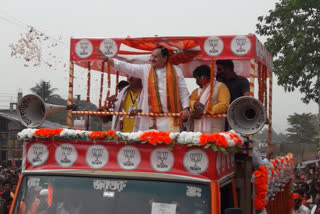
pixel 61 19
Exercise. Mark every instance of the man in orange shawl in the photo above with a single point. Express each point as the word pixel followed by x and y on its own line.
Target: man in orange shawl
pixel 164 90
pixel 199 102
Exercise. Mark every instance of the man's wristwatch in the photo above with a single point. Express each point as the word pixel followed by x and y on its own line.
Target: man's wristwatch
pixel 188 109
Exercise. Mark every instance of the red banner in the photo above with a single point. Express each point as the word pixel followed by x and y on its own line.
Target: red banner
pixel 136 157
pixel 183 49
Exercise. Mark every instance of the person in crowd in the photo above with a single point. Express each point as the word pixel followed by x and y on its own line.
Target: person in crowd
pixel 237 85
pixel 199 102
pixel 1 189
pixel 6 194
pixel 122 84
pixel 43 201
pixel 7 206
pixel 298 207
pixel 128 101
pixel 110 106
pixel 316 208
pixel 164 89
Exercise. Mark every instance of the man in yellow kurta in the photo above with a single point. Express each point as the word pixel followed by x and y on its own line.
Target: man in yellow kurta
pixel 127 101
pixel 199 102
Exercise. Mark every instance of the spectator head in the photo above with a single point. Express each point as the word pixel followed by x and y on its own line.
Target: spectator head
pixel 43 195
pixel 122 84
pixel 202 75
pixel 225 70
pixel 7 187
pixel 297 200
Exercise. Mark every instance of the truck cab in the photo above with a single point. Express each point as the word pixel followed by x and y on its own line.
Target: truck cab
pixel 115 176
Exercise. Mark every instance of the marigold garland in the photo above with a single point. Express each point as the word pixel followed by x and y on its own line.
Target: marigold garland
pixel 88 83
pixel 213 138
pixel 224 141
pixel 97 135
pixel 101 84
pixel 265 86
pixel 260 79
pixel 156 137
pixel 212 75
pixel 117 81
pixel 268 184
pixel 109 85
pixel 261 187
pixel 45 132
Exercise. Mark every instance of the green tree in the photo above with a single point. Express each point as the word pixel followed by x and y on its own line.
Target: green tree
pixel 293 38
pixel 44 90
pixel 262 136
pixel 302 128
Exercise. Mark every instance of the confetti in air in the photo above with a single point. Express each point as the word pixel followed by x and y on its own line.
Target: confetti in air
pixel 36 48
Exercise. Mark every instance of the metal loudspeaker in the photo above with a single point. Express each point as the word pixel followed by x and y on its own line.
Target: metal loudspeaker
pixel 32 110
pixel 246 115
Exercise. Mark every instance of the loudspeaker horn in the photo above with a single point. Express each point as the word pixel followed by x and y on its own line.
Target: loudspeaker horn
pixel 246 115
pixel 32 110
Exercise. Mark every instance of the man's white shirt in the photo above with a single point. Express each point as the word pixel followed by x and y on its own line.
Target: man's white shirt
pixel 142 71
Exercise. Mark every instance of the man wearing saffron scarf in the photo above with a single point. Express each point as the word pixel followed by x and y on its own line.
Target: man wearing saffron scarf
pixel 199 102
pixel 164 90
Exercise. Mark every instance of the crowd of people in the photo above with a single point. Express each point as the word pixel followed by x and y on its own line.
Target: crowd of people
pixel 8 182
pixel 306 188
pixel 160 87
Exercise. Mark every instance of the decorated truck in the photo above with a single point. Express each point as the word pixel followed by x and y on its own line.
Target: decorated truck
pixel 82 171
pixel 113 172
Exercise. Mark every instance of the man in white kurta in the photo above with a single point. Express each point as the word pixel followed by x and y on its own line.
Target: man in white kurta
pixel 158 62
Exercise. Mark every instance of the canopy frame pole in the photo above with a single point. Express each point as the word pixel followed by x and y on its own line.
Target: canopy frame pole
pixel 270 113
pixel 117 81
pixel 89 80
pixel 108 88
pixel 70 97
pixel 101 84
pixel 253 69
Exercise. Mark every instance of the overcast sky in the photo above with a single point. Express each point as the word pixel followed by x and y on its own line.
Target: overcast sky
pixel 61 20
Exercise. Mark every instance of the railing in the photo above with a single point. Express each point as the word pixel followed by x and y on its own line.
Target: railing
pixel 104 113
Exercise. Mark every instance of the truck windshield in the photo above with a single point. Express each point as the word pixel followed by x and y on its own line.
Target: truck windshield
pixel 73 195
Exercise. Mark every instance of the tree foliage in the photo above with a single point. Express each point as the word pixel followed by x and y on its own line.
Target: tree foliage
pixel 44 90
pixel 302 128
pixel 262 136
pixel 293 38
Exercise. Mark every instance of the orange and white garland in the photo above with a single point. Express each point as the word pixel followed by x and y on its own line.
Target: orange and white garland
pixel 271 179
pixel 101 84
pixel 89 82
pixel 224 141
pixel 109 86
